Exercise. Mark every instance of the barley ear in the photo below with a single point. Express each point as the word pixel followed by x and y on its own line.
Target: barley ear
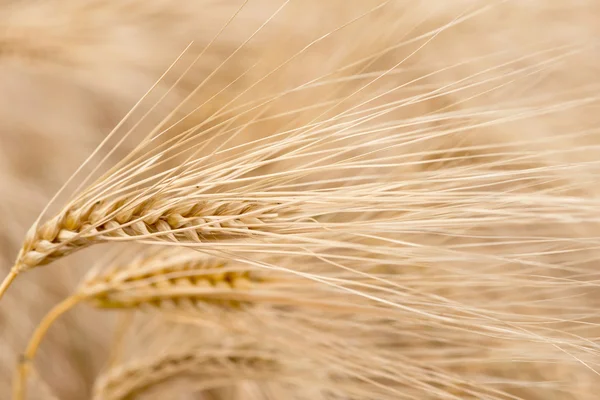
pixel 26 360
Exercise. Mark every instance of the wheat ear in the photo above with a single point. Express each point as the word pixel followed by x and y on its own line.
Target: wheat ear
pixel 169 279
pixel 52 240
pixel 52 232
pixel 150 220
pixel 180 276
pixel 170 220
pixel 211 366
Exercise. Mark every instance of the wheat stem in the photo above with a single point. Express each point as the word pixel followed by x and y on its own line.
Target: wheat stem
pixel 20 378
pixel 8 280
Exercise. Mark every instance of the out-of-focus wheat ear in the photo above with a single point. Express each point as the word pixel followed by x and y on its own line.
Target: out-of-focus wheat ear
pixel 174 279
pixel 27 358
pixel 212 366
pixel 147 280
pixel 169 278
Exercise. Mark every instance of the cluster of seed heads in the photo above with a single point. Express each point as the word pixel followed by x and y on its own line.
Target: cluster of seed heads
pixel 161 279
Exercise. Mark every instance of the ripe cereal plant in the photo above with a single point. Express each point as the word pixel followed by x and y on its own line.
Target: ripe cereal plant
pixel 177 281
pixel 157 278
pixel 393 199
